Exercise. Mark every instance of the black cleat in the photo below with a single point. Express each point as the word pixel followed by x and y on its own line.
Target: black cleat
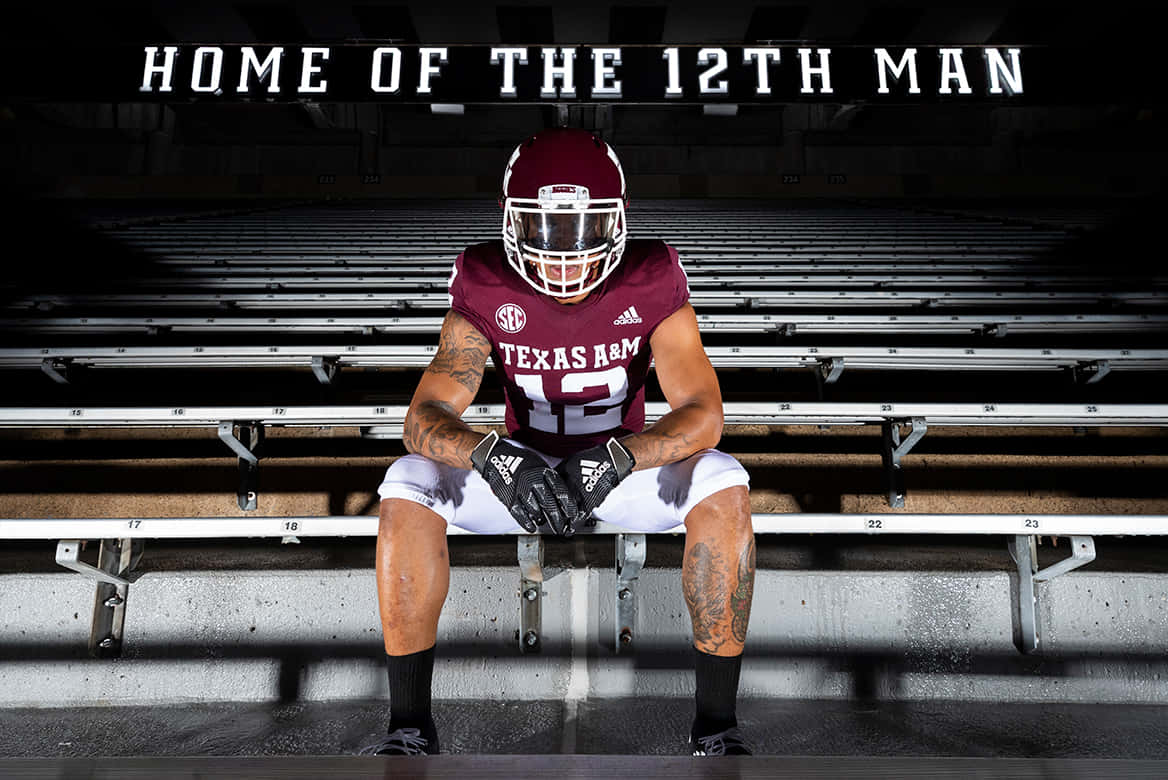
pixel 725 743
pixel 403 742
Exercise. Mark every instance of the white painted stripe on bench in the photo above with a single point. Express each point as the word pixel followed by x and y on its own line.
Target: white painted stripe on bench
pixel 796 523
pixel 725 322
pixel 745 413
pixel 418 356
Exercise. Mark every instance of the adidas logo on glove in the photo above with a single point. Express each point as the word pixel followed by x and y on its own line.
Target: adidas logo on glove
pixel 591 471
pixel 505 466
pixel 628 317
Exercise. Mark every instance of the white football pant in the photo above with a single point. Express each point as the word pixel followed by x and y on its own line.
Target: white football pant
pixel 647 501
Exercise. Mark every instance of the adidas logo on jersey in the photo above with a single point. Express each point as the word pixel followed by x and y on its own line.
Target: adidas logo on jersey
pixel 628 317
pixel 505 466
pixel 592 471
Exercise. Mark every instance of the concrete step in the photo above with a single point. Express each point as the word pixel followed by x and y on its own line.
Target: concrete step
pixel 314 635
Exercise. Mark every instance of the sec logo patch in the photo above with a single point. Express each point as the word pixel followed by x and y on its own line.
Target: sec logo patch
pixel 510 318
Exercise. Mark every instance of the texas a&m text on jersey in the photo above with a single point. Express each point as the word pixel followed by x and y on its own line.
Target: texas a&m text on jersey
pixel 573 374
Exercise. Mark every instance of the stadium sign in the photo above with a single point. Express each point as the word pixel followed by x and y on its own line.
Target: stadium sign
pixel 403 73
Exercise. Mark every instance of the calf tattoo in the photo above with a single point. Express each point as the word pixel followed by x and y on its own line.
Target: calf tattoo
pixel 743 594
pixel 718 598
pixel 703 580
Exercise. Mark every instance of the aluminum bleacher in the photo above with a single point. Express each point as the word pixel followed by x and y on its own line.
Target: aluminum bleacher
pixel 798 271
pixel 776 286
pixel 786 323
pixel 890 280
pixel 53 359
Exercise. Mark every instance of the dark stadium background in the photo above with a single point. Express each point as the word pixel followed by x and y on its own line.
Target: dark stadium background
pixel 72 174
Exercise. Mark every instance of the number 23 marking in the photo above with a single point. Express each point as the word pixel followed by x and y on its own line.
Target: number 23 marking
pixel 573 419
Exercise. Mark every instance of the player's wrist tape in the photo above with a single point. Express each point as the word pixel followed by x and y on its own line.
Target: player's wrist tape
pixel 482 451
pixel 622 459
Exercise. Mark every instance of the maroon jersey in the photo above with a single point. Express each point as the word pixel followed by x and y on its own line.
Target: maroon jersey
pixel 573 374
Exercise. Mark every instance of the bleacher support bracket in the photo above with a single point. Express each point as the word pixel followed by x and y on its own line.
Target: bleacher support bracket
pixel 1025 554
pixel 246 446
pixel 116 558
pixel 325 369
pixel 1090 372
pixel 630 557
pixel 894 450
pixel 830 369
pixel 57 369
pixel 530 592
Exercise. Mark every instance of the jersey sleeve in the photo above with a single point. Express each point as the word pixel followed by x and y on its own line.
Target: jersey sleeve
pixel 679 279
pixel 672 286
pixel 461 299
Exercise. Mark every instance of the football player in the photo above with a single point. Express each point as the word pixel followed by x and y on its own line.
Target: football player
pixel 571 312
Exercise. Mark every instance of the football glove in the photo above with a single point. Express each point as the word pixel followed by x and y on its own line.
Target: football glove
pixel 532 491
pixel 593 473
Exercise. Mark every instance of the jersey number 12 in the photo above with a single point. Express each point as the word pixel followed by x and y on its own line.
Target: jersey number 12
pixel 602 414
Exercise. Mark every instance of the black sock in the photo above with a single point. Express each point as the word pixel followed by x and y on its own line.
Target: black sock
pixel 409 690
pixel 717 691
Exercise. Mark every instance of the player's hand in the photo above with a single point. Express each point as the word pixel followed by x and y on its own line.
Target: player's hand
pixel 532 491
pixel 593 473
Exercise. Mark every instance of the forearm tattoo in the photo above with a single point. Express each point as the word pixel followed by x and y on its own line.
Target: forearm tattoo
pixel 462 353
pixel 660 445
pixel 434 430
pixel 718 598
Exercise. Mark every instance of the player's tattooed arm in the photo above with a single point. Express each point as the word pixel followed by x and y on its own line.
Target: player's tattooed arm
pixel 433 425
pixel 691 387
pixel 462 353
pixel 674 437
pixel 434 429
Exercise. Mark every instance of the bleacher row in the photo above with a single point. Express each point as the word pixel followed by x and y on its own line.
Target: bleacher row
pixel 776 286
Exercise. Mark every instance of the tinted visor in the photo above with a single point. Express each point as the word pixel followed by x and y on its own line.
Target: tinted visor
pixel 564 231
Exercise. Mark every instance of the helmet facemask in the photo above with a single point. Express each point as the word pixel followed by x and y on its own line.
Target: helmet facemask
pixel 563 242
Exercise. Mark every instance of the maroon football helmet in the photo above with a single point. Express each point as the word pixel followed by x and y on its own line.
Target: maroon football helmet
pixel 564 211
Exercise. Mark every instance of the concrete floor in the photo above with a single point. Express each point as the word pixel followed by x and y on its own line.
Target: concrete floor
pixel 580 767
pixel 640 727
